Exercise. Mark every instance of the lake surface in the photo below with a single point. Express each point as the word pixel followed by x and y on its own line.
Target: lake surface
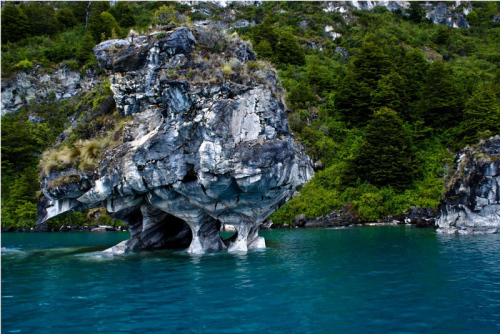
pixel 357 280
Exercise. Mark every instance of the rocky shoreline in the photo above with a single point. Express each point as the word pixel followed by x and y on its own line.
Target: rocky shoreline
pixel 86 228
pixel 415 216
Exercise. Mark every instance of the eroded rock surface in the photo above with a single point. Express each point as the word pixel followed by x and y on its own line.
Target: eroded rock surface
pixel 195 156
pixel 40 87
pixel 471 204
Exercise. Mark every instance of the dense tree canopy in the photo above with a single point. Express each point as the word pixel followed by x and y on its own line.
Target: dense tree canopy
pixel 15 24
pixel 481 115
pixel 385 156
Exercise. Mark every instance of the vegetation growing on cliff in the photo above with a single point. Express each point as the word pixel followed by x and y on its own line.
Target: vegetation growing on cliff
pixel 27 137
pixel 430 76
pixel 386 81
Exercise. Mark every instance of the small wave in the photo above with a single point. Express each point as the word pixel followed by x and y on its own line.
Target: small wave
pixel 11 250
pixel 62 249
pixel 97 256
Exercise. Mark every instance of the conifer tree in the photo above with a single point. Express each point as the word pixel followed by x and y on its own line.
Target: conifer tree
pixel 15 25
pixel 288 50
pixel 123 13
pixel 391 93
pixel 86 47
pixel 127 19
pixel 355 92
pixel 40 17
pixel 481 115
pixel 416 11
pixel 65 18
pixel 102 25
pixel 386 156
pixel 444 97
pixel 264 50
pixel 414 69
pixel 265 31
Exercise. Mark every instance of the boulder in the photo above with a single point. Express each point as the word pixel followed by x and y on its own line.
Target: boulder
pixel 300 220
pixel 420 217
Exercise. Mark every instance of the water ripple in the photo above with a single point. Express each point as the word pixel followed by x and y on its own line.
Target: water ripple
pixel 362 280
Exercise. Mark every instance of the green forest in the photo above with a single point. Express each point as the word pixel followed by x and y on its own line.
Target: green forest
pixel 382 109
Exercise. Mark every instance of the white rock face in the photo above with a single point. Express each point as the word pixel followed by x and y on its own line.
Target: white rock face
pixel 24 88
pixel 197 156
pixel 472 202
pixel 438 12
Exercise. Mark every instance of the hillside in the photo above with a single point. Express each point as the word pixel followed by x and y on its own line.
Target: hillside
pixel 382 98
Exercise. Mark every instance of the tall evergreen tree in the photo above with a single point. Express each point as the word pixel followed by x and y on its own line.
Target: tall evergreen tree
pixel 102 25
pixel 288 50
pixel 391 93
pixel 355 92
pixel 86 47
pixel 65 18
pixel 79 9
pixel 416 11
pixel 40 17
pixel 481 115
pixel 444 97
pixel 265 31
pixel 264 50
pixel 15 24
pixel 386 156
pixel 123 13
pixel 414 69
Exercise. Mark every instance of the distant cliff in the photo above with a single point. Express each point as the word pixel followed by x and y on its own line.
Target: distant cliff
pixel 450 13
pixel 471 203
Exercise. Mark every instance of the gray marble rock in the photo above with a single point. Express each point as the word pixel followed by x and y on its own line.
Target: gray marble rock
pixel 195 157
pixel 39 87
pixel 471 204
pixel 438 12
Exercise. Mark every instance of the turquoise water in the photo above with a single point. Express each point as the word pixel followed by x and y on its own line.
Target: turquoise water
pixel 357 280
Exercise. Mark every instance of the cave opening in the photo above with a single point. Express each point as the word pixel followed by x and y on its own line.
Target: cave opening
pixel 191 174
pixel 228 234
pixel 176 233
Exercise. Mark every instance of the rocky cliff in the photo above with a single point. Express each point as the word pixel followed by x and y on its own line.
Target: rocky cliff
pixel 472 200
pixel 208 145
pixel 39 86
pixel 450 13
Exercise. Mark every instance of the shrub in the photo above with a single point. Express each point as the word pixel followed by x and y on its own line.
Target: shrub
pixel 164 15
pixel 90 149
pixel 214 38
pixel 72 64
pixel 25 65
pixel 255 65
pixel 227 70
pixel 235 64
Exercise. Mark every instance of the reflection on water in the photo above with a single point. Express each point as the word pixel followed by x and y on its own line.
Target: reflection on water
pixel 362 280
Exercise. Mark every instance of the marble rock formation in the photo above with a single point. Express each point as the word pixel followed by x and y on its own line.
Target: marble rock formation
pixel 40 87
pixel 471 204
pixel 196 155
